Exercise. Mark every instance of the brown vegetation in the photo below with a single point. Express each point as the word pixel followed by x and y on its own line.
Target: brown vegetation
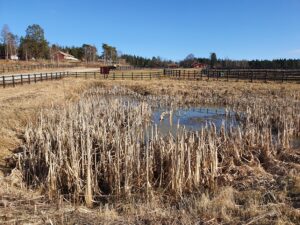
pixel 91 149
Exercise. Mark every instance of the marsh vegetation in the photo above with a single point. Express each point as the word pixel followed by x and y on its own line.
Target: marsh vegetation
pixel 168 154
pixel 108 147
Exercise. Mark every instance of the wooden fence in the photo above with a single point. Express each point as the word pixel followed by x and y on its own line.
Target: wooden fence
pixel 21 79
pixel 183 74
pixel 235 75
pixel 15 68
pixel 251 75
pixel 126 68
pixel 119 75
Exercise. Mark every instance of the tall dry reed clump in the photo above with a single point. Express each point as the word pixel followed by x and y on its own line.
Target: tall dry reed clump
pixel 104 147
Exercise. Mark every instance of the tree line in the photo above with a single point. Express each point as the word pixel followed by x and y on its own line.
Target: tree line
pixel 154 62
pixel 34 46
pixel 214 62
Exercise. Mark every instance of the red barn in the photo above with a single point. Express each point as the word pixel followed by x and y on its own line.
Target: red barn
pixel 199 65
pixel 62 56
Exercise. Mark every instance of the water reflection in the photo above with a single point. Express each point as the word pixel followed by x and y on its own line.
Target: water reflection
pixel 192 119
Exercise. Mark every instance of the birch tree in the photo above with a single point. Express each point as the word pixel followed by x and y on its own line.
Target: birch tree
pixel 4 37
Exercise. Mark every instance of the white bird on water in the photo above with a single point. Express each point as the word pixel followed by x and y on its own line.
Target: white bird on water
pixel 162 116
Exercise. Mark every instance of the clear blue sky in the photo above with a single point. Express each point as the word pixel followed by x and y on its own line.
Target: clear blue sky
pixel 237 29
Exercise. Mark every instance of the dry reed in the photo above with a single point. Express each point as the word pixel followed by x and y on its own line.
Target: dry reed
pixel 103 146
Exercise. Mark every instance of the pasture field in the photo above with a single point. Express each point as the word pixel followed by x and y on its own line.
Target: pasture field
pixel 90 151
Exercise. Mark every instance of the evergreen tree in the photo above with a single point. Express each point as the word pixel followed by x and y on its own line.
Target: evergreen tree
pixel 213 59
pixel 34 44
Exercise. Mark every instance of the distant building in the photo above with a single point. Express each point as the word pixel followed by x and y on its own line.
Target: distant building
pixel 14 57
pixel 199 65
pixel 62 56
pixel 173 65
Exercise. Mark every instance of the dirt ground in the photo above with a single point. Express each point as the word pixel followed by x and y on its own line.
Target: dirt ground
pixel 18 205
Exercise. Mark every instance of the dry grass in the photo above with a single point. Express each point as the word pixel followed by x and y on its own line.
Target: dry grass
pixel 20 105
pixel 90 149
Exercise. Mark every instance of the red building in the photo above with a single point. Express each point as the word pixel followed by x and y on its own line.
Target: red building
pixel 199 65
pixel 65 57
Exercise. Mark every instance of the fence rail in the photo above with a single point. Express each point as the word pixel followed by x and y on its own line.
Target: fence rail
pixel 15 68
pixel 248 75
pixel 120 75
pixel 30 78
pixel 251 75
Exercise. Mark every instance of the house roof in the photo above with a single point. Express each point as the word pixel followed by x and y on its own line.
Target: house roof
pixel 67 55
pixel 197 64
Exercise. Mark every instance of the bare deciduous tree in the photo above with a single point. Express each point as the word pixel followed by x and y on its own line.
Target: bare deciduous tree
pixel 90 53
pixel 4 37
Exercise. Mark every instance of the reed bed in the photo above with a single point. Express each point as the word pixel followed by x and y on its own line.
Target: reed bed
pixel 104 147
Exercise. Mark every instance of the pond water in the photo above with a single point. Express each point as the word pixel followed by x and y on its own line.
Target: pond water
pixel 192 119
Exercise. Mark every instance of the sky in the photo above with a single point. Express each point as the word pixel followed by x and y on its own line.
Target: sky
pixel 235 29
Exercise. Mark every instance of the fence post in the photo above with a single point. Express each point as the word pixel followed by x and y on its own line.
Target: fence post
pixel 46 76
pixel 41 75
pixel 34 78
pixel 21 79
pixel 94 75
pixel 28 78
pixel 114 76
pixel 3 81
pixel 150 76
pixel 56 75
pixel 76 74
pixel 122 75
pixel 132 75
pixel 13 80
pixel 266 74
pixel 252 76
pixel 283 73
pixel 141 75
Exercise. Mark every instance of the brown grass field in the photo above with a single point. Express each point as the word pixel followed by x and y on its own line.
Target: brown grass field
pixel 239 177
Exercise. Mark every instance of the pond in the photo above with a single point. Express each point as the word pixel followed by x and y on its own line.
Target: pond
pixel 192 118
pixel 173 119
